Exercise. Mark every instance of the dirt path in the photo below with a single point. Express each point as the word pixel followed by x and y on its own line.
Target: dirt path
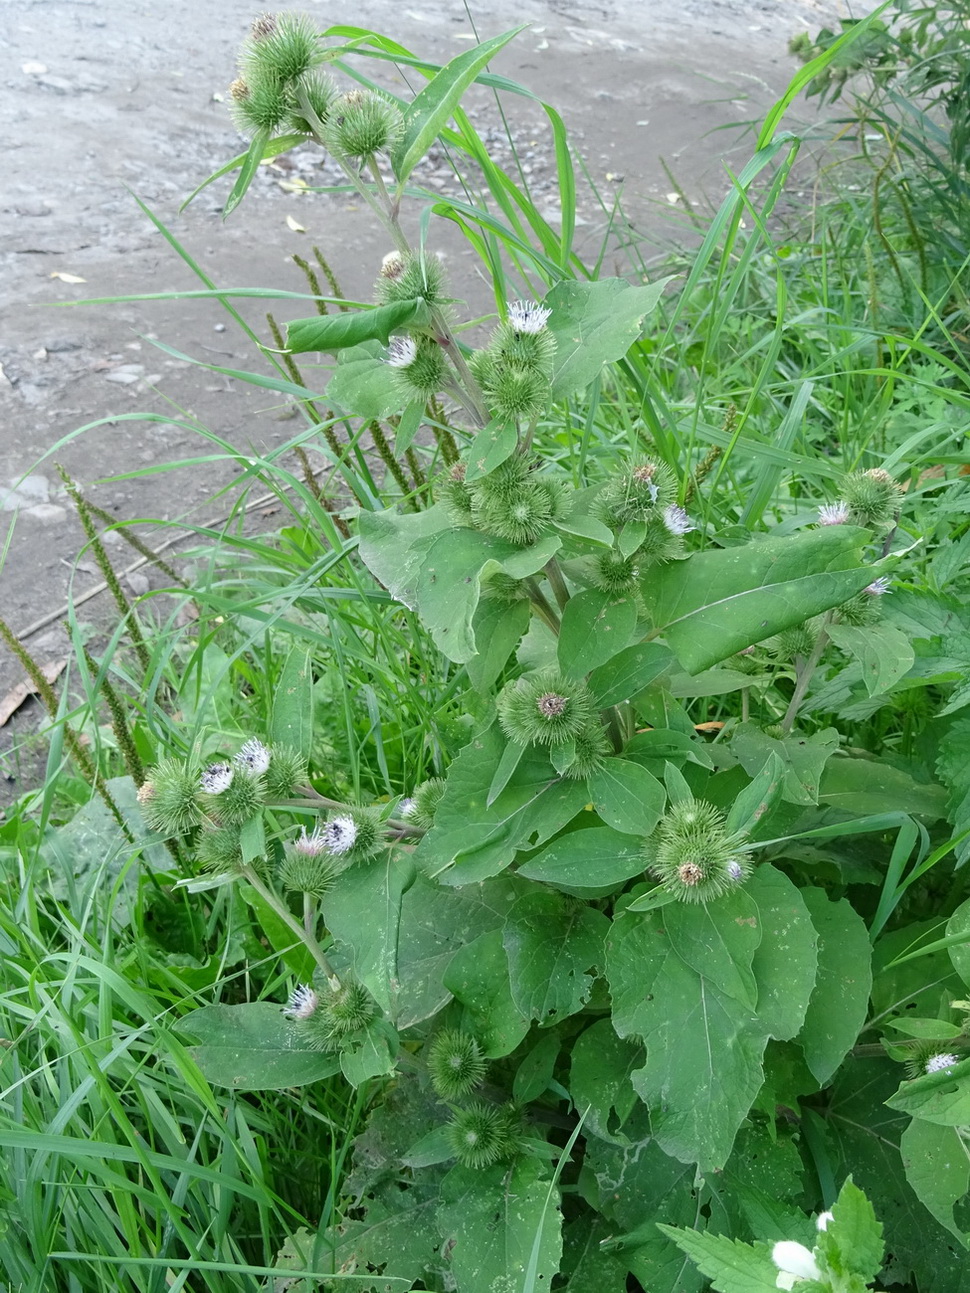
pixel 101 100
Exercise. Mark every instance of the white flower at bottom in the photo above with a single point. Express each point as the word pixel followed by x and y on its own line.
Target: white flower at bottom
pixel 339 834
pixel 402 352
pixel 940 1063
pixel 794 1263
pixel 526 317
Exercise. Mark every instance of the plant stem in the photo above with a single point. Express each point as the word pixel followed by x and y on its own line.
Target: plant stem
pixel 804 675
pixel 541 606
pixel 557 582
pixel 280 908
pixel 309 916
pixel 526 444
pixel 473 399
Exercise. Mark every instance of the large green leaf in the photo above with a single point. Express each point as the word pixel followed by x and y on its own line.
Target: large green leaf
pixel 435 923
pixel 627 796
pixel 628 672
pixel 862 1136
pixel 429 111
pixel 478 977
pixel 720 601
pixel 291 717
pixel 397 1234
pixel 252 1047
pixel 333 332
pixel 473 839
pixel 497 628
pixel 786 961
pixel 493 1219
pixel 885 653
pixel 868 786
pixel 852 1243
pixel 719 942
pixel 595 627
pixel 704 1048
pixel 937 1165
pixel 956 927
pixel 436 569
pixel 375 887
pixel 247 171
pixel 362 383
pixel 838 1005
pixel 595 324
pixel 802 757
pixel 599 1080
pixel 553 943
pixel 596 859
pixel 588 1268
pixel 943 1097
pixel 733 1267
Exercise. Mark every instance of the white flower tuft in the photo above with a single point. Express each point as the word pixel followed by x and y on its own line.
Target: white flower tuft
pixel 310 846
pixel 216 778
pixel 302 1003
pixel 392 266
pixel 793 1260
pixel 676 520
pixel 526 317
pixel 402 352
pixel 833 513
pixel 823 1219
pixel 735 870
pixel 406 807
pixel 339 834
pixel 878 587
pixel 254 757
pixel 940 1063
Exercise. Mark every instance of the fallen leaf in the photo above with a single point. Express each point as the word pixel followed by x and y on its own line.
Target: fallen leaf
pixel 16 696
pixel 294 225
pixel 296 186
pixel 67 278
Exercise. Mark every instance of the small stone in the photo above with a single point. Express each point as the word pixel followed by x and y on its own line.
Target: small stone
pixel 25 493
pixel 126 374
pixel 138 583
pixel 47 513
pixel 60 345
pixel 34 69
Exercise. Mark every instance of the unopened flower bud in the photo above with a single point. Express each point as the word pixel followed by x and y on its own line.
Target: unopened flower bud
pixel 362 123
pixel 169 798
pixel 456 1064
pixel 544 709
pixel 692 853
